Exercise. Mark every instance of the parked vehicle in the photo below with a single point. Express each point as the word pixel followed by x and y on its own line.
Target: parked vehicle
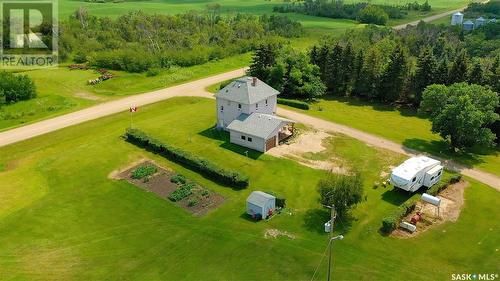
pixel 417 172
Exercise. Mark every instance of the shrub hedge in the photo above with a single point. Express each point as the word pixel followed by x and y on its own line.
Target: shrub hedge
pixel 390 223
pixel 294 103
pixel 203 166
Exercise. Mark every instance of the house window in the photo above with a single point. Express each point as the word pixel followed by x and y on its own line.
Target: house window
pixel 249 139
pixel 222 108
pixel 414 179
pixel 256 106
pixel 266 102
pixel 239 106
pixel 243 137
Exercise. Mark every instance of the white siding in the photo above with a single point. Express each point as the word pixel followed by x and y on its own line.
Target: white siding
pixel 270 108
pixel 231 110
pixel 256 143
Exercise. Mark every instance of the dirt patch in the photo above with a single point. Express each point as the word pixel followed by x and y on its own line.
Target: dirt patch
pixel 160 184
pixel 274 233
pixel 88 96
pixel 452 201
pixel 308 143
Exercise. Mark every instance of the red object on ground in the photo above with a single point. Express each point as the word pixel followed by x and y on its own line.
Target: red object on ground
pixel 416 218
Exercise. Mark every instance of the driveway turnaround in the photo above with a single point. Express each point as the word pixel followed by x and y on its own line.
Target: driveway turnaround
pixel 197 89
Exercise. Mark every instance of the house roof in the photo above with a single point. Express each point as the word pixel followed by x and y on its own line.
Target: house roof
pixel 412 166
pixel 259 198
pixel 257 124
pixel 244 91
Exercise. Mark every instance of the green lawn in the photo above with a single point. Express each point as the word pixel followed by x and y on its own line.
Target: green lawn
pixel 61 217
pixel 401 126
pixel 61 90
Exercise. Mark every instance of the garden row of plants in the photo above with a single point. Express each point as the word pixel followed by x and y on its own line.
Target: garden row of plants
pixel 391 222
pixel 294 103
pixel 203 166
pixel 187 188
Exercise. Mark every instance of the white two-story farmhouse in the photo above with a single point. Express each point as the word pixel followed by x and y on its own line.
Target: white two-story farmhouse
pixel 246 108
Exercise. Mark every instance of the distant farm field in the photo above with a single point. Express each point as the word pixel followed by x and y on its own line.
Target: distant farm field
pixel 63 217
pixel 68 7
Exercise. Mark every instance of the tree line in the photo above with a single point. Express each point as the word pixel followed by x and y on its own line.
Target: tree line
pixel 363 12
pixel 137 42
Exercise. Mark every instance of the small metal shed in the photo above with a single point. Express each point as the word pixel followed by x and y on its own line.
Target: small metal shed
pixel 260 203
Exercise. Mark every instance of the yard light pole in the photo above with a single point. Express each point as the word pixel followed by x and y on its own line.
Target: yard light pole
pixel 339 237
pixel 333 215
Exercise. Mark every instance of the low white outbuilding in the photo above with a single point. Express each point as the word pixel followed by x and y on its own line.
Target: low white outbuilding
pixel 260 203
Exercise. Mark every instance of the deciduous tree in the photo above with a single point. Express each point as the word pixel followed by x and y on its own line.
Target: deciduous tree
pixel 461 113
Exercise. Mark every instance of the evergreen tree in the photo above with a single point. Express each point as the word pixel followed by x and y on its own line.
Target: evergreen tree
pixel 367 85
pixel 441 75
pixel 494 75
pixel 476 75
pixel 425 74
pixel 322 59
pixel 314 55
pixel 459 69
pixel 264 57
pixel 393 80
pixel 358 68
pixel 347 72
pixel 333 69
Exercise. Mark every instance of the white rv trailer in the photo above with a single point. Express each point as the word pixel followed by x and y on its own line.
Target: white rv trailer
pixel 416 172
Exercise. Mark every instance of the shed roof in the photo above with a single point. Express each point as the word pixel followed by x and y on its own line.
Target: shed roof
pixel 259 198
pixel 458 14
pixel 257 124
pixel 244 91
pixel 469 22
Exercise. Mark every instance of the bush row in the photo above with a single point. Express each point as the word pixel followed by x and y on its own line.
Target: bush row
pixel 390 223
pixel 203 166
pixel 294 103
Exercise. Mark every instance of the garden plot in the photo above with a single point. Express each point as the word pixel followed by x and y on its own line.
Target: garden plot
pixel 452 200
pixel 171 186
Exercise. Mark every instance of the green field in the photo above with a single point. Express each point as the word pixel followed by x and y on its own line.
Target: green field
pixel 61 90
pixel 402 126
pixel 61 217
pixel 67 7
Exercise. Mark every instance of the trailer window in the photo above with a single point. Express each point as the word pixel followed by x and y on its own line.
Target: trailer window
pixel 249 139
pixel 439 173
pixel 243 137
